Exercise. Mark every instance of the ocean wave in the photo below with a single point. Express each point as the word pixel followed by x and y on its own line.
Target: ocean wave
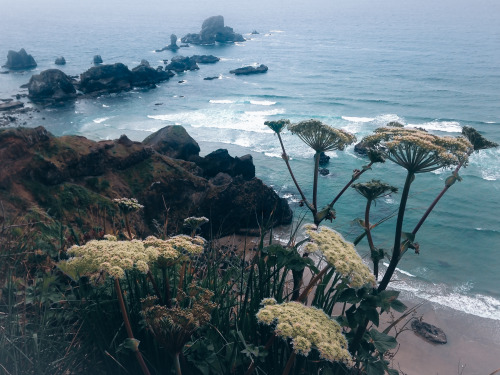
pixel 271 112
pixel 273 154
pixel 442 126
pixel 262 102
pixel 100 120
pixel 358 119
pixel 456 298
pixel 105 106
pixel 221 101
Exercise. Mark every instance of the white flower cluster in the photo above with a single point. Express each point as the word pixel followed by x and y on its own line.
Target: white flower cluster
pixel 308 328
pixel 341 255
pixel 114 257
pixel 127 205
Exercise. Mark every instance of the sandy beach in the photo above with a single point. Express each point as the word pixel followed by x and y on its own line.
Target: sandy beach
pixel 473 346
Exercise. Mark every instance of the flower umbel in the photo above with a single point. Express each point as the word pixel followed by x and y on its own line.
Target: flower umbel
pixel 321 137
pixel 417 150
pixel 374 189
pixel 341 255
pixel 127 205
pixel 277 126
pixel 308 328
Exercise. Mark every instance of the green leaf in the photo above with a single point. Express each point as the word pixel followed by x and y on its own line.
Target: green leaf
pixel 381 341
pixel 348 295
pixel 372 315
pixel 398 306
pixel 375 368
pixel 391 371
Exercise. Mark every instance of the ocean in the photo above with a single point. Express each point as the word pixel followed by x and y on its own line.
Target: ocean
pixel 354 65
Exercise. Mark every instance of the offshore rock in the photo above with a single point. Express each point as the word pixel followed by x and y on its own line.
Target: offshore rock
pixel 11 105
pixel 72 175
pixel 249 70
pixel 172 46
pixel 19 60
pixel 60 61
pixel 204 59
pixel 323 159
pixel 213 30
pixel 51 85
pixel 220 161
pixel 429 332
pixel 97 60
pixel 117 77
pixel 181 63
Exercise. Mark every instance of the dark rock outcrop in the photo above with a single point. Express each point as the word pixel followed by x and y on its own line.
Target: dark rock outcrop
pixel 211 78
pixel 60 61
pixel 204 59
pixel 172 46
pixel 182 63
pixel 213 30
pixel 220 161
pixel 249 70
pixel 323 159
pixel 51 85
pixel 19 60
pixel 429 332
pixel 174 142
pixel 117 77
pixel 324 171
pixel 70 174
pixel 254 32
pixel 97 60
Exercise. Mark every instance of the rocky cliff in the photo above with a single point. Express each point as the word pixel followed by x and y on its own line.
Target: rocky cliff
pixel 75 180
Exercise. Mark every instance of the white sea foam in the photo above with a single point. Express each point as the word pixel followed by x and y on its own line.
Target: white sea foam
pixel 442 126
pixel 454 298
pixel 276 31
pixel 100 120
pixel 273 154
pixel 262 102
pixel 221 101
pixel 105 106
pixel 358 119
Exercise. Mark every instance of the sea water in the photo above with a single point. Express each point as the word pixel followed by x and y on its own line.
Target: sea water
pixel 355 65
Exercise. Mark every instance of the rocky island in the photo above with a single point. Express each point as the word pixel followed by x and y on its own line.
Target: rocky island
pixel 213 30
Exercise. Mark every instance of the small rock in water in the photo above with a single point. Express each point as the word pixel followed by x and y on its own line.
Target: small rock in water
pixel 97 59
pixel 324 171
pixel 181 81
pixel 429 332
pixel 60 61
pixel 211 78
pixel 323 159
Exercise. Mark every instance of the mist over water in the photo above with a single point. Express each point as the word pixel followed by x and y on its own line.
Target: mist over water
pixel 353 65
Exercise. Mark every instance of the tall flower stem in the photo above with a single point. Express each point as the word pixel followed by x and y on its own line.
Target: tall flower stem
pixel 312 283
pixel 370 239
pixel 269 343
pixel 177 364
pixel 287 162
pixel 396 250
pixel 127 225
pixel 354 178
pixel 315 185
pixel 433 204
pixel 289 364
pixel 166 287
pixel 128 327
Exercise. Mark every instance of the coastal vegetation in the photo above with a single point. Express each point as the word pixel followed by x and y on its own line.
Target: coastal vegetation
pixel 109 294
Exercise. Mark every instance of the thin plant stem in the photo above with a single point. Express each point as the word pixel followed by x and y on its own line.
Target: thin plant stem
pixel 128 227
pixel 128 327
pixel 269 343
pixel 289 364
pixel 354 178
pixel 369 237
pixel 312 283
pixel 433 204
pixel 166 287
pixel 177 364
pixel 315 184
pixel 396 250
pixel 287 162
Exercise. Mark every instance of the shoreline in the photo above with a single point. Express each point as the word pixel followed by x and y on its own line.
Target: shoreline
pixel 473 345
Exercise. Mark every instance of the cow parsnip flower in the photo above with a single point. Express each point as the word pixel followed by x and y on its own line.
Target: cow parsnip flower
pixel 417 150
pixel 308 328
pixel 127 205
pixel 109 256
pixel 278 125
pixel 321 137
pixel 341 255
pixel 374 189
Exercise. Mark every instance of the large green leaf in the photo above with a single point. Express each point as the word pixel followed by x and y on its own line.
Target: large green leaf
pixel 381 341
